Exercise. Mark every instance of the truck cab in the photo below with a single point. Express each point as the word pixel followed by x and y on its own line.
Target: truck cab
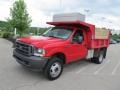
pixel 66 42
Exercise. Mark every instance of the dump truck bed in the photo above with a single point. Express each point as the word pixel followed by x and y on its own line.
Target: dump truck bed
pixel 101 38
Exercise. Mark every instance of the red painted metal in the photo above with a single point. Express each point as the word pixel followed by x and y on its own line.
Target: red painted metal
pixel 71 51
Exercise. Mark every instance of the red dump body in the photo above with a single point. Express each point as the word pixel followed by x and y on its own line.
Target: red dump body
pixel 92 41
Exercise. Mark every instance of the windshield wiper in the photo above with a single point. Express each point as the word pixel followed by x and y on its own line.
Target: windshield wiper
pixel 43 35
pixel 48 35
pixel 53 36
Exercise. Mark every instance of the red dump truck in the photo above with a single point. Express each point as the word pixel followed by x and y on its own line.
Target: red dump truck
pixel 71 39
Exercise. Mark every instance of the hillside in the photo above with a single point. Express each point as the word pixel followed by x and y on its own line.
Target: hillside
pixel 3 24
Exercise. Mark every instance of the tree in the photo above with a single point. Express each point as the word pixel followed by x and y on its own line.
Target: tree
pixel 19 17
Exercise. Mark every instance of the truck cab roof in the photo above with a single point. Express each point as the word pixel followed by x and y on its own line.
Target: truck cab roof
pixel 73 24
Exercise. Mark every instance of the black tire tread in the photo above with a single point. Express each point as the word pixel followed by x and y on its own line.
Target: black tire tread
pixel 96 59
pixel 46 70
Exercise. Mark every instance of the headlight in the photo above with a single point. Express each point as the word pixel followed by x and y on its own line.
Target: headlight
pixel 39 52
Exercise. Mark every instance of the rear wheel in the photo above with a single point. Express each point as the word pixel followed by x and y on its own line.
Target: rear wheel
pixel 99 58
pixel 53 69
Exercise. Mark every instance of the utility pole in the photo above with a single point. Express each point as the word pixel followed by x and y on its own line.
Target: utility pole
pixel 15 32
pixel 86 11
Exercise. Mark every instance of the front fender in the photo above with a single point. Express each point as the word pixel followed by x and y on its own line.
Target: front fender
pixel 52 51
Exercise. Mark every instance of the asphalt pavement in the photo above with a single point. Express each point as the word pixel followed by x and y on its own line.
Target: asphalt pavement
pixel 81 75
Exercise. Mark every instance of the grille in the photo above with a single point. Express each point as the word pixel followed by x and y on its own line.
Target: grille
pixel 24 48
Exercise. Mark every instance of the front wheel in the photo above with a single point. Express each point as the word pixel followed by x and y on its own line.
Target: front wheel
pixel 53 69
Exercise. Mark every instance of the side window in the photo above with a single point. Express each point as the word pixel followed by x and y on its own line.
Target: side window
pixel 78 37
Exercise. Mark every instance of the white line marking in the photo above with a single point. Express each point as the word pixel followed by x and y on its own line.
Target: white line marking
pixel 96 72
pixel 80 70
pixel 100 74
pixel 115 69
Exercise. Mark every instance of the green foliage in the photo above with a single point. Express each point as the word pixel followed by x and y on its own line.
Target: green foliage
pixel 0 33
pixel 3 24
pixel 9 26
pixel 116 36
pixel 7 35
pixel 19 18
pixel 37 30
pixel 42 30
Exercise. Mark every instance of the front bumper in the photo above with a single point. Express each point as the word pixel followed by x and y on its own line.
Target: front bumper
pixel 31 62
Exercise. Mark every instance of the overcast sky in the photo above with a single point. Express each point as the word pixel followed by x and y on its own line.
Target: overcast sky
pixel 105 13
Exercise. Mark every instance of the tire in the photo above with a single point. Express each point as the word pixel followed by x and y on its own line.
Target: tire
pixel 54 68
pixel 99 59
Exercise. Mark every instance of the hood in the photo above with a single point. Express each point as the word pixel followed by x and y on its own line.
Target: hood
pixel 40 41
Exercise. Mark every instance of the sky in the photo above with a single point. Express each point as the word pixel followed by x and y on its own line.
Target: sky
pixel 102 13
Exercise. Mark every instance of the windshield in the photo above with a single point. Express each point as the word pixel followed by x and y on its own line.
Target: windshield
pixel 58 32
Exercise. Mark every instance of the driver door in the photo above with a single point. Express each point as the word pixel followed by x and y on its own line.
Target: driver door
pixel 77 48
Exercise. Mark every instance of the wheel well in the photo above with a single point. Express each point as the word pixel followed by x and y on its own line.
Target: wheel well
pixel 61 56
pixel 97 51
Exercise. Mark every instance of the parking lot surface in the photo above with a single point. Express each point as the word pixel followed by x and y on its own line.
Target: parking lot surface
pixel 81 75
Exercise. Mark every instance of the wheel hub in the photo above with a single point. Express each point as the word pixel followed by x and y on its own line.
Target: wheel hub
pixel 55 69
